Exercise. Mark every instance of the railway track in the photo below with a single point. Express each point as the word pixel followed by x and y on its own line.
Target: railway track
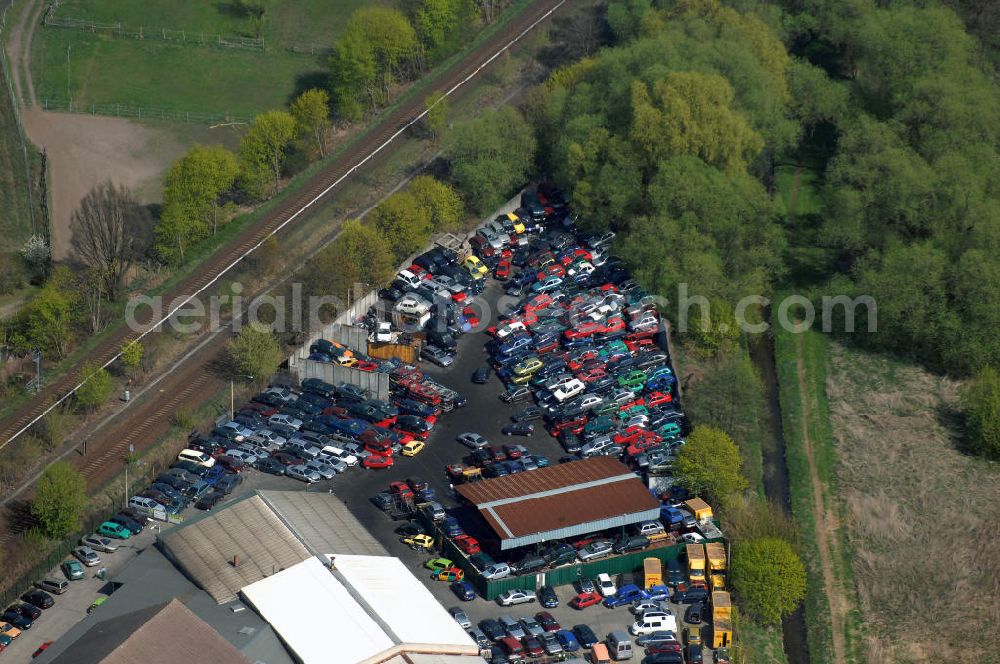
pixel 365 149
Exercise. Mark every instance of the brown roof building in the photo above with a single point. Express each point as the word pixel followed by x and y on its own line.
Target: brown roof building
pixel 561 501
pixel 163 634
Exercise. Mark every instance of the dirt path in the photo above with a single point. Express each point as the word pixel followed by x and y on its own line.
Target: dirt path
pixel 826 522
pixel 19 47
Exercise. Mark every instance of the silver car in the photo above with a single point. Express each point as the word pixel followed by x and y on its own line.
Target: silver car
pixel 99 543
pixel 325 470
pixel 460 617
pixel 531 626
pixel 551 643
pixel 595 550
pixel 516 596
pixel 304 473
pixel 511 626
pixel 472 440
pixel 87 556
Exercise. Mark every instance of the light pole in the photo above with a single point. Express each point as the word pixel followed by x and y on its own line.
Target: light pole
pixel 128 462
pixel 232 393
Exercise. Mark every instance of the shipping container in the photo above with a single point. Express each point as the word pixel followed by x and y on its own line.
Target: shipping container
pixel 699 508
pixel 652 572
pixel 716 552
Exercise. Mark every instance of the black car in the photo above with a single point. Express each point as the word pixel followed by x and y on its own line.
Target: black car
pixel 410 529
pixel 559 553
pixel 529 414
pixel 585 635
pixel 16 619
pixel 518 429
pixel 228 483
pixel 29 611
pixel 481 375
pixel 663 658
pixel 631 543
pixel 269 465
pixel 210 500
pixel 690 596
pixel 383 501
pixel 412 423
pixel 317 386
pixel 128 522
pixel 530 563
pixel 570 441
pixel 492 628
pixel 694 614
pixel 38 598
pixel 547 597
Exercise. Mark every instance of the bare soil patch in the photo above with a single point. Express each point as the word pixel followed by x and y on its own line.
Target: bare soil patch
pixel 921 516
pixel 84 150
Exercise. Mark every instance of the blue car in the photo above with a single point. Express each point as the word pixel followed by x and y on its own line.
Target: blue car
pixel 626 595
pixel 214 474
pixel 463 590
pixel 451 527
pixel 567 640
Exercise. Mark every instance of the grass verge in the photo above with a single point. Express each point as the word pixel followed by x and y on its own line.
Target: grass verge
pixel 830 578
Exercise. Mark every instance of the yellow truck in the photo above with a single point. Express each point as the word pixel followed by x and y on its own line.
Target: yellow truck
pixel 696 562
pixel 652 572
pixel 722 605
pixel 722 633
pixel 716 553
pixel 699 508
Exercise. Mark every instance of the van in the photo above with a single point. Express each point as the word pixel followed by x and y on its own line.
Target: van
pixel 197 457
pixel 619 645
pixel 148 506
pixel 53 585
pixel 599 654
pixel 653 621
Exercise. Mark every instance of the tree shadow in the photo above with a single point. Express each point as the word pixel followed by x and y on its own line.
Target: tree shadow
pixel 19 517
pixel 233 9
pixel 317 79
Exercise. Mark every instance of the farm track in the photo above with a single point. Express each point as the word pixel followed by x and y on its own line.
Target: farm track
pixel 309 195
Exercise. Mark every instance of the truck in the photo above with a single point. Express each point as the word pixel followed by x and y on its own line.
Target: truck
pixel 652 572
pixel 696 562
pixel 716 553
pixel 722 620
pixel 722 605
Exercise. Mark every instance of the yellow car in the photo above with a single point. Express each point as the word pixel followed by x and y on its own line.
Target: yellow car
pixel 475 267
pixel 413 448
pixel 528 366
pixel 516 220
pixel 523 379
pixel 9 630
pixel 346 360
pixel 416 542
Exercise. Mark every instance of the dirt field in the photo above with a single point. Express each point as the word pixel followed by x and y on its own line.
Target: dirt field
pixel 922 517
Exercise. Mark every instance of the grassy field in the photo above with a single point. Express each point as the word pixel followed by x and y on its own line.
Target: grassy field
pixel 921 516
pixel 832 619
pixel 15 206
pixel 761 645
pixel 159 74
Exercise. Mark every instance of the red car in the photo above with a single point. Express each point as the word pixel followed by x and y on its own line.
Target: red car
pixel 642 445
pixel 496 454
pixel 540 301
pixel 636 345
pixel 377 461
pixel 663 646
pixel 583 600
pixel 454 471
pixel 471 316
pixel 576 363
pixel 532 646
pixel 468 545
pixel 585 329
pixel 630 435
pixel 401 489
pixel 337 411
pixel 656 398
pixel 575 425
pixel 548 347
pixel 459 297
pixel 512 452
pixel 592 373
pixel 547 621
pixel 639 336
pixel 366 365
pixel 502 273
pixel 613 324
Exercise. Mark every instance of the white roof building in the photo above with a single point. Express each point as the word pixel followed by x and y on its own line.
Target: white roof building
pixel 366 609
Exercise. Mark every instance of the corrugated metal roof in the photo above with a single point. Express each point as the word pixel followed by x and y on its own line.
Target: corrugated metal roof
pixel 267 531
pixel 583 496
pixel 322 523
pixel 246 532
pixel 542 480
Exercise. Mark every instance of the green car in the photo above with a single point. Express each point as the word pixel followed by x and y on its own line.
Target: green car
pixel 72 569
pixel 633 380
pixel 438 564
pixel 669 430
pixel 116 530
pixel 599 425
pixel 528 366
pixel 616 347
pixel 629 413
pixel 482 560
pixel 5 640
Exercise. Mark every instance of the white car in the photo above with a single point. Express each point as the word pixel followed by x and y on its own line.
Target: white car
pixel 412 304
pixel 325 470
pixel 408 278
pixel 460 617
pixel 510 328
pixel 569 390
pixel 241 431
pixel 383 333
pixel 285 420
pixel 605 585
pixel 472 440
pixel 242 455
pixel 516 596
pixel 331 454
pixel 496 571
pixel 283 393
pixel 303 473
pixel 644 323
pixel 692 538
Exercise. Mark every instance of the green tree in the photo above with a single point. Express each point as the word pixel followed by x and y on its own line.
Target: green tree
pixel 437 114
pixel 60 496
pixel 404 222
pixel 48 320
pixel 262 151
pixel 769 578
pixel 254 351
pixel 311 111
pixel 491 157
pixel 440 200
pixel 95 388
pixel 981 410
pixel 709 462
pixel 353 74
pixel 131 355
pixel 193 188
pixel 436 22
